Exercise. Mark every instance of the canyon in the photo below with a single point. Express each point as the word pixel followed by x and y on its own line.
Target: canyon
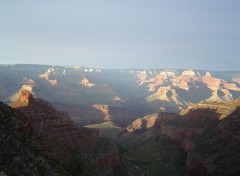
pixel 201 140
pixel 120 122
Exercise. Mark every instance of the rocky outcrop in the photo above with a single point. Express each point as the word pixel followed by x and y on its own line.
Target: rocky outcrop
pixel 22 96
pixel 167 97
pixel 204 139
pixel 209 134
pixel 118 99
pixel 60 138
pixel 189 73
pixel 218 110
pixel 104 109
pixel 220 95
pixel 208 74
pixel 85 82
pixel 50 72
pixel 163 117
pixel 143 76
pixel 20 152
pixel 141 124
pixel 168 73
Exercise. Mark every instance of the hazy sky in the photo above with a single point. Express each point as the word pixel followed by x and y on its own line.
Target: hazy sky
pixel 199 34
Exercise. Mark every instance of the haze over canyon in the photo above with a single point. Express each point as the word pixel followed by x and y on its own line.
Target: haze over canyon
pixel 87 121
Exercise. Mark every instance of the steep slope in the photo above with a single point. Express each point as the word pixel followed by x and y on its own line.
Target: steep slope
pixel 62 140
pixel 203 140
pixel 216 148
pixel 167 99
pixel 20 98
pixel 20 152
pixel 149 154
pixel 141 124
pixel 220 95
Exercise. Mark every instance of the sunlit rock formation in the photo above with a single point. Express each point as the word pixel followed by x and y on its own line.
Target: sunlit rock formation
pixel 50 72
pixel 85 82
pixel 104 109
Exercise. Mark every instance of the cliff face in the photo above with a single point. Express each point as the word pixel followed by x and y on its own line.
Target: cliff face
pixel 60 138
pixel 141 124
pixel 209 134
pixel 203 140
pixel 20 154
pixel 104 109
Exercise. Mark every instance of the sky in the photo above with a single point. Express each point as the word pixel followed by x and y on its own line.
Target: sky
pixel 122 33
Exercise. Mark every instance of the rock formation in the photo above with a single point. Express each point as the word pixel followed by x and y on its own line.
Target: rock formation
pixel 143 76
pixel 50 72
pixel 20 152
pixel 141 124
pixel 85 82
pixel 168 73
pixel 189 73
pixel 204 139
pixel 166 96
pixel 209 125
pixel 60 137
pixel 220 95
pixel 22 96
pixel 208 74
pixel 188 83
pixel 104 109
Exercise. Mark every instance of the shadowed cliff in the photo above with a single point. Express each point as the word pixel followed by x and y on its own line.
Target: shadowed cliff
pixel 75 150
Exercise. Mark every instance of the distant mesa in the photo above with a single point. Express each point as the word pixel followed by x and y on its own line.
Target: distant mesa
pixel 56 138
pixel 189 73
pixel 116 98
pixel 167 83
pixel 50 72
pixel 143 76
pixel 168 73
pixel 208 74
pixel 85 82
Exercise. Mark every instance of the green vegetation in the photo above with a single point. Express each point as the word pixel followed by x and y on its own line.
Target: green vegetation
pixel 146 154
pixel 108 129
